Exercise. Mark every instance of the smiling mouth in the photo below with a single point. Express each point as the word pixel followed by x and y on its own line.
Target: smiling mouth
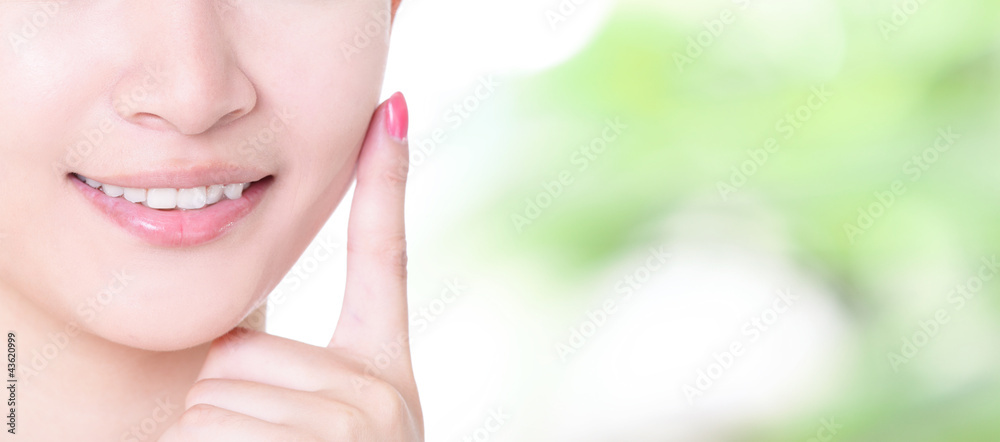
pixel 193 198
pixel 174 216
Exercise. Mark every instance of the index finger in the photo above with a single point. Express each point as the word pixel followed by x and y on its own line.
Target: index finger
pixel 375 312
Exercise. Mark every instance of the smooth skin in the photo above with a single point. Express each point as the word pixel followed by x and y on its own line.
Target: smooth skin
pixel 255 386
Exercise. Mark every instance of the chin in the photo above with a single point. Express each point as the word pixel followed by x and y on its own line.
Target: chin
pixel 160 312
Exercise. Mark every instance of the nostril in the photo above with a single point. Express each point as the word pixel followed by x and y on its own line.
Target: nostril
pixel 232 116
pixel 151 121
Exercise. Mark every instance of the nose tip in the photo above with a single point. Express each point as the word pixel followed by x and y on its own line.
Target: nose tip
pixel 186 116
pixel 191 98
pixel 192 81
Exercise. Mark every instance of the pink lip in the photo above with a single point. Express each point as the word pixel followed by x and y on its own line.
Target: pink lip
pixel 176 228
pixel 182 178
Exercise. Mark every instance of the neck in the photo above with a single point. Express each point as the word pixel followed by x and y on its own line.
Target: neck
pixel 73 385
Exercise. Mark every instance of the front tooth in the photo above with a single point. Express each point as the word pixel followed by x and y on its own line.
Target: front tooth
pixel 245 185
pixel 112 191
pixel 135 195
pixel 234 191
pixel 93 183
pixel 195 198
pixel 161 198
pixel 215 193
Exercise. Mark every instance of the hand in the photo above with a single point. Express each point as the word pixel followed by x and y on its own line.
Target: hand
pixel 258 387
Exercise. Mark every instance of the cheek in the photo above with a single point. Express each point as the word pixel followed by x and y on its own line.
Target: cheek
pixel 328 83
pixel 45 106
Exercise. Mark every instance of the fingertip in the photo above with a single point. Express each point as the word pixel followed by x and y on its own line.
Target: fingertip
pixel 386 155
pixel 397 120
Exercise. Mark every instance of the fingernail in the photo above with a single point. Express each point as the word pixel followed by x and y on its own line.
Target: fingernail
pixel 397 119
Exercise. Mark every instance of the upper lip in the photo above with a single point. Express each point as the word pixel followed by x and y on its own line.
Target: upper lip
pixel 182 178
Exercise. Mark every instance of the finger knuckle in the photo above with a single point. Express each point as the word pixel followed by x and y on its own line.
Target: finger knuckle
pixel 389 252
pixel 395 175
pixel 392 253
pixel 388 403
pixel 202 392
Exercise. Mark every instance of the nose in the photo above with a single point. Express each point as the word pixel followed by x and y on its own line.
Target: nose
pixel 185 75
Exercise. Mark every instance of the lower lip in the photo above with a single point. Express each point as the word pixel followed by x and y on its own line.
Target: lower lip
pixel 176 228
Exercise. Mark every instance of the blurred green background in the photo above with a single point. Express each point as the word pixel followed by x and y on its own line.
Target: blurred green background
pixel 844 151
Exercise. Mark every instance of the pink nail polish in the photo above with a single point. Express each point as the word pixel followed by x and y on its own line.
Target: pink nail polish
pixel 397 119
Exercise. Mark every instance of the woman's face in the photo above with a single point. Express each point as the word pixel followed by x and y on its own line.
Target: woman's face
pixel 146 97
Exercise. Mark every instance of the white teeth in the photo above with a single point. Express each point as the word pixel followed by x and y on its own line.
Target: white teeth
pixel 215 193
pixel 234 191
pixel 112 191
pixel 166 199
pixel 161 198
pixel 135 195
pixel 192 198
